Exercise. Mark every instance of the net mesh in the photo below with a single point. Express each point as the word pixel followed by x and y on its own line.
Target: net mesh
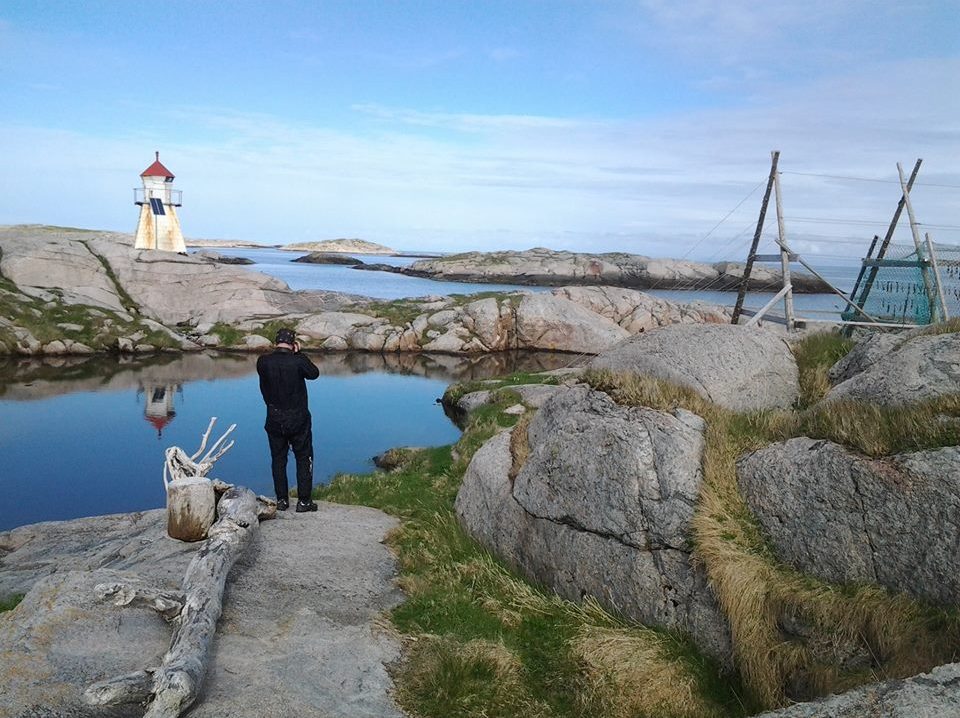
pixel 898 288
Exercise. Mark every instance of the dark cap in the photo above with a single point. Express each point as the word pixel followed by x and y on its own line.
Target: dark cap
pixel 285 336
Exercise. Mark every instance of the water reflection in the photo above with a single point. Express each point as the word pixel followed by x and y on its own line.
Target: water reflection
pixel 23 379
pixel 86 436
pixel 158 404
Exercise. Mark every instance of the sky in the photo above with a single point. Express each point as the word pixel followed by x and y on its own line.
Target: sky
pixel 641 126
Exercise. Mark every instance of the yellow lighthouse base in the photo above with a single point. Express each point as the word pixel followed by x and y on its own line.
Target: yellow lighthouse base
pixel 159 231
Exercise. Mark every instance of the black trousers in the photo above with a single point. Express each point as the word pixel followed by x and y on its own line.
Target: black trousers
pixel 287 431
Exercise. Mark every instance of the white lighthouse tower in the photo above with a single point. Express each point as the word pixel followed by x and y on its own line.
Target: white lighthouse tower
pixel 159 226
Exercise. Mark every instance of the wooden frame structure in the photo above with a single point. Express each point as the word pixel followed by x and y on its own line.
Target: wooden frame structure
pixel 855 314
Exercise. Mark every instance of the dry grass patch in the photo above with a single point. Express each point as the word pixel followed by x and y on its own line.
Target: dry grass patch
pixel 519 445
pixel 633 673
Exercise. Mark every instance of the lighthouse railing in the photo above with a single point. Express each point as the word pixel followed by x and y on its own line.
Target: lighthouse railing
pixel 142 195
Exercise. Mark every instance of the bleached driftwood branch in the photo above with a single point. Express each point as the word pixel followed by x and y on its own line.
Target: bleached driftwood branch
pixel 169 689
pixel 177 465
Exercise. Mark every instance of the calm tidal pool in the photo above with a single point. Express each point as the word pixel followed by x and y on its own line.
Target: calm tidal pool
pixel 86 437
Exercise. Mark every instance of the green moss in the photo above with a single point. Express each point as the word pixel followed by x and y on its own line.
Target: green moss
pixel 229 335
pixel 10 603
pixel 125 299
pixel 399 312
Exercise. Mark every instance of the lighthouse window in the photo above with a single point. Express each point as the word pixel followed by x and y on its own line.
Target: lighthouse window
pixel 157 205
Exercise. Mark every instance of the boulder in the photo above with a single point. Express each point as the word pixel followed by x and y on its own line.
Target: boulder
pixel 335 324
pixel 929 695
pixel 846 518
pixel 739 368
pixel 918 367
pixel 544 321
pixel 612 524
pixel 865 353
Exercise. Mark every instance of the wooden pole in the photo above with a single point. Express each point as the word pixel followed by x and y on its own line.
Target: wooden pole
pixel 927 285
pixel 742 290
pixel 891 228
pixel 784 256
pixel 944 312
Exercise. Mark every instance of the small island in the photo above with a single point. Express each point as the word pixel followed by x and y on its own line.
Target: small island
pixel 347 246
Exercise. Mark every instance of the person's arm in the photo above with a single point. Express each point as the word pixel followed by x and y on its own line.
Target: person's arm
pixel 307 367
pixel 261 374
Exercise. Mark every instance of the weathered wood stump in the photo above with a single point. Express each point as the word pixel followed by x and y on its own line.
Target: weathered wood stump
pixel 191 501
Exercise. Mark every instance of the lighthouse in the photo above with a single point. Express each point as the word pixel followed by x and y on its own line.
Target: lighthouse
pixel 159 226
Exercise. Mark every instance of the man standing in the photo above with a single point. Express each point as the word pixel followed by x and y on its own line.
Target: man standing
pixel 288 424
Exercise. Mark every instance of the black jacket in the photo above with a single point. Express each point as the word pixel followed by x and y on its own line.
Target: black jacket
pixel 282 384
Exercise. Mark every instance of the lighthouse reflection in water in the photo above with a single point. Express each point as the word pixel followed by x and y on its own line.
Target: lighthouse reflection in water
pixel 158 408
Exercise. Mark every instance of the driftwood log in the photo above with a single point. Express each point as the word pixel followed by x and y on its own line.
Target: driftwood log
pixel 170 688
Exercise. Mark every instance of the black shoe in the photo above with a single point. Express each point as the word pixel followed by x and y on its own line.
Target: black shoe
pixel 283 504
pixel 306 506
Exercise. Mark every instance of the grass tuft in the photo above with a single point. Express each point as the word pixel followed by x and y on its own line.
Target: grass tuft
pixel 633 673
pixel 815 354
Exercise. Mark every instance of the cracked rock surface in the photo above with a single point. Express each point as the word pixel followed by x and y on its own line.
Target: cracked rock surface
pixel 846 518
pixel 601 508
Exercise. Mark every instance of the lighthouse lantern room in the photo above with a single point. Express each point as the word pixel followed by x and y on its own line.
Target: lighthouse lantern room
pixel 159 226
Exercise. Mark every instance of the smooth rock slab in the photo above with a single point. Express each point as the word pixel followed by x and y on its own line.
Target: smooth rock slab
pixel 847 518
pixel 739 368
pixel 297 636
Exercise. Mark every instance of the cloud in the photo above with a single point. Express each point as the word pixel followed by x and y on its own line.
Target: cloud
pixel 441 180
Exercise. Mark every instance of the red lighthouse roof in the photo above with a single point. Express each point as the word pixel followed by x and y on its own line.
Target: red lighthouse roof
pixel 157 170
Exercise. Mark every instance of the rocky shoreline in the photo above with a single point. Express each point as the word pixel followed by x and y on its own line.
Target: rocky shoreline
pixel 550 268
pixel 66 292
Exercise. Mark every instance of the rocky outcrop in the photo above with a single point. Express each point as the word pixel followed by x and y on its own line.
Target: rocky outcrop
pixel 564 320
pixel 845 518
pixel 637 312
pixel 740 368
pixel 221 258
pixel 546 267
pixel 612 524
pixel 173 288
pixel 285 622
pixel 327 258
pixel 899 369
pixel 929 695
pixel 113 297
